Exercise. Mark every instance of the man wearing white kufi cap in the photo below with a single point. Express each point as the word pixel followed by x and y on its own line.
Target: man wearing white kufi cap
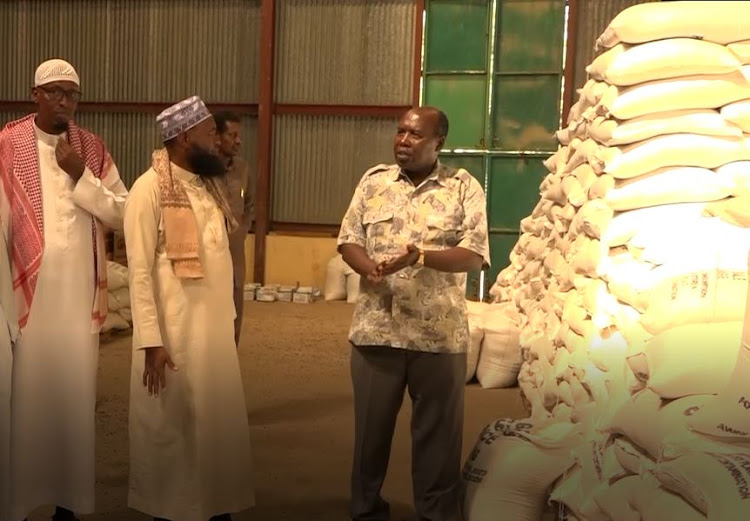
pixel 59 189
pixel 189 435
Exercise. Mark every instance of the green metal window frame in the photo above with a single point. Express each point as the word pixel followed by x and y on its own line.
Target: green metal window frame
pixel 520 107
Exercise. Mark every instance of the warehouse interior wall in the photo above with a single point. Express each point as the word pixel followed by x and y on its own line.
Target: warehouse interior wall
pixel 341 74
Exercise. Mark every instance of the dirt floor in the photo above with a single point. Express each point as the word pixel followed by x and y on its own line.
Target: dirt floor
pixel 295 364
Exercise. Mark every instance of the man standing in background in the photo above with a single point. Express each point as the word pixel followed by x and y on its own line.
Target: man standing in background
pixel 58 189
pixel 8 335
pixel 237 185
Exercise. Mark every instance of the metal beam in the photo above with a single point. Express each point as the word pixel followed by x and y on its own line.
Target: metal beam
pixel 569 75
pixel 245 109
pixel 377 111
pixel 265 137
pixel 306 229
pixel 418 33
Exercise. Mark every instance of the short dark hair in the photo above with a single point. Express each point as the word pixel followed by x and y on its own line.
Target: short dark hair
pixel 222 117
pixel 442 125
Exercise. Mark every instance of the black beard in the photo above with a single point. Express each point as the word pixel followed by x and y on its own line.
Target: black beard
pixel 60 126
pixel 205 164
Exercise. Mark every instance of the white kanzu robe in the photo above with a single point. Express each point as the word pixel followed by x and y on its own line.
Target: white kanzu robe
pixel 190 446
pixel 8 334
pixel 55 360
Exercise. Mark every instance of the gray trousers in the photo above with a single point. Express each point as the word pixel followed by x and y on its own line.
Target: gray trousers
pixel 436 386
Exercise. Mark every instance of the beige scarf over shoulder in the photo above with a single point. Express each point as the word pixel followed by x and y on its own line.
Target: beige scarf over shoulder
pixel 180 228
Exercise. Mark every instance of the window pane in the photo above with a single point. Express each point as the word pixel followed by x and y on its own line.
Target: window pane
pixel 530 35
pixel 464 100
pixel 514 190
pixel 456 35
pixel 526 112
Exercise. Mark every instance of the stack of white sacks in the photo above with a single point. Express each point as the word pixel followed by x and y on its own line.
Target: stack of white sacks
pixel 631 280
pixel 119 316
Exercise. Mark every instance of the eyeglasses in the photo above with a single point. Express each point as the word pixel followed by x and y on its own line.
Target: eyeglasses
pixel 57 94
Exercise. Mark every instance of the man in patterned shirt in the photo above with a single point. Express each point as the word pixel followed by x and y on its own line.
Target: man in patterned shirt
pixel 412 231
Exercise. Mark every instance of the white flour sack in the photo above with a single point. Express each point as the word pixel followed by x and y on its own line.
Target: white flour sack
pixel 670 58
pixel 593 219
pixel 632 459
pixel 670 185
pixel 738 113
pixel 507 475
pixel 702 295
pixel 728 414
pixel 579 498
pixel 685 93
pixel 669 151
pixel 655 503
pixel 610 132
pixel 741 50
pixel 117 276
pixel 616 500
pixel 715 21
pixel 474 312
pixel 689 359
pixel 500 357
pixel 624 225
pixel 697 247
pixel 647 421
pixel 718 485
pixel 335 288
pixel 739 173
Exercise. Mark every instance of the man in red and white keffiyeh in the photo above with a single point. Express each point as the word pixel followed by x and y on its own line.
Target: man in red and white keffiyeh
pixel 59 188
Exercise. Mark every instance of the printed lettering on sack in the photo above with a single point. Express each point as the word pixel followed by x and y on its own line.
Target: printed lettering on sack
pixel 490 434
pixel 730 462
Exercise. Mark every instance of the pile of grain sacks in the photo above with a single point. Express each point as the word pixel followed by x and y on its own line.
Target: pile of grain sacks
pixel 119 316
pixel 631 274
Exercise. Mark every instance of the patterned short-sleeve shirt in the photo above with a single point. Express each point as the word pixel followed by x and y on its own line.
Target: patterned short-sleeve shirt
pixel 418 308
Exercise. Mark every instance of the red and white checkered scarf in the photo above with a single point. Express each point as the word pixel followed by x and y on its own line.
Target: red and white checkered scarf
pixel 21 215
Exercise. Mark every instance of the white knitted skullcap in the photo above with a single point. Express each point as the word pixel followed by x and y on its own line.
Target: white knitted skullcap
pixel 55 70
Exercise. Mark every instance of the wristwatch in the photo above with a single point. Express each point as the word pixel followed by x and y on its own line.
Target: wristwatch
pixel 420 259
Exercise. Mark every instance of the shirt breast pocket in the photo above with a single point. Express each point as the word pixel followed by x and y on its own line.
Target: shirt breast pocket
pixel 442 232
pixel 379 230
pixel 377 224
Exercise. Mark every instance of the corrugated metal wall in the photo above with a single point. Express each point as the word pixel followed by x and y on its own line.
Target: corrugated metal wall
pixel 347 52
pixel 136 50
pixel 594 17
pixel 319 160
pixel 338 52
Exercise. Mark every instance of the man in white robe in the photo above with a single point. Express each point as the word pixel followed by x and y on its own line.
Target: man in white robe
pixel 59 188
pixel 189 434
pixel 8 335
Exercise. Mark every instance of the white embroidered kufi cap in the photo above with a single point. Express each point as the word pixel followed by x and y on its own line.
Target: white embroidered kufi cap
pixel 55 70
pixel 181 117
